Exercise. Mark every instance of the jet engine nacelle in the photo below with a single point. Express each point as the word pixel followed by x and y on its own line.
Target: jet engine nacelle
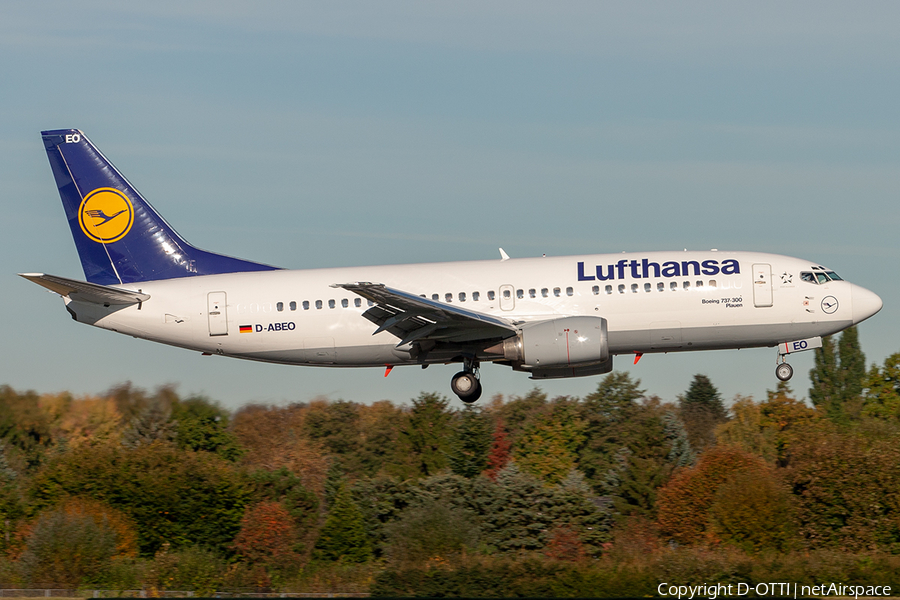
pixel 566 342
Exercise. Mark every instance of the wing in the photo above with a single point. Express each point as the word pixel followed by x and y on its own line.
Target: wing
pixel 83 291
pixel 414 318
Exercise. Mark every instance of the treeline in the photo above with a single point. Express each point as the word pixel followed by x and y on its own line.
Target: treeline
pixel 602 495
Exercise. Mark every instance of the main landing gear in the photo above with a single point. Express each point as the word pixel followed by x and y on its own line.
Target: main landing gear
pixel 466 383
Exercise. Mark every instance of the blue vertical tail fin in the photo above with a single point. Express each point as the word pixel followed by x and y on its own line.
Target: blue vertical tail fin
pixel 121 238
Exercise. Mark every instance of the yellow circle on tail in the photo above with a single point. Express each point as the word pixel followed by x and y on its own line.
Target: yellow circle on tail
pixel 105 215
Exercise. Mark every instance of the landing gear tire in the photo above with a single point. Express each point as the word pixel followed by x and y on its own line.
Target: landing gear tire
pixel 466 385
pixel 784 371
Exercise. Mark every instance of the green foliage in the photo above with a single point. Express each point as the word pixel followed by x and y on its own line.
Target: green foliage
pixel 846 491
pixel 25 427
pixel 285 487
pixel 838 377
pixel 343 536
pixel 520 410
pixel 471 442
pixel 68 549
pixel 202 425
pixel 550 441
pixel 427 433
pixel 433 529
pixel 755 512
pixel 882 396
pixel 190 568
pixel 701 410
pixel 178 497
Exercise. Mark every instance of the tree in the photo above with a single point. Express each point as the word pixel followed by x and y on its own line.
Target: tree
pixel 202 425
pixel 549 444
pixel 267 536
pixel 684 503
pixel 882 395
pixel 852 373
pixel 846 491
pixel 432 529
pixel 343 536
pixel 177 497
pixel 471 442
pixel 74 544
pixel 500 451
pixel 427 433
pixel 838 377
pixel 702 410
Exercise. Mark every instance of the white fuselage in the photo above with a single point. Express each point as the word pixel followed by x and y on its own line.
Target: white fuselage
pixel 653 302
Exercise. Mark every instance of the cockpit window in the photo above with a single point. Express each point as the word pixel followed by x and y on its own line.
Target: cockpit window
pixel 819 277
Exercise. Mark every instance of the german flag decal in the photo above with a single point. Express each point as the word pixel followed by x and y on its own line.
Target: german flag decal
pixel 246 328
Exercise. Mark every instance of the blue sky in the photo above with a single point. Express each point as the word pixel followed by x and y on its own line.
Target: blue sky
pixel 343 133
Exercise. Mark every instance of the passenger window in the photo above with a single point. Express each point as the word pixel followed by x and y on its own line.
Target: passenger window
pixel 661 286
pixel 570 291
pixel 699 284
pixel 520 294
pixel 318 304
pixel 621 288
pixel 448 297
pixel 596 289
pixel 545 293
pixel 532 293
pixel 357 302
pixel 331 304
pixel 609 289
pixel 634 288
pixel 370 303
pixel 345 303
pixel 306 305
pixel 673 286
pixel 436 297
pixel 491 294
pixel 476 296
pixel 556 292
pixel 507 294
pixel 462 296
pixel 712 283
pixel 687 285
pixel 279 306
pixel 648 287
pixel 293 305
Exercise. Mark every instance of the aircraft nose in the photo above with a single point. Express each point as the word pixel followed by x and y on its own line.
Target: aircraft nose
pixel 864 303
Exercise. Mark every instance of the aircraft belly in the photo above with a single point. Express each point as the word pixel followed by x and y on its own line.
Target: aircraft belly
pixel 319 353
pixel 664 337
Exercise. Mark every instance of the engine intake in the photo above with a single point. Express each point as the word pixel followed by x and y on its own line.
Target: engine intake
pixel 566 342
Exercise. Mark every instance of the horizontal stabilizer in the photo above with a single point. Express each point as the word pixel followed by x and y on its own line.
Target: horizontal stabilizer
pixel 83 291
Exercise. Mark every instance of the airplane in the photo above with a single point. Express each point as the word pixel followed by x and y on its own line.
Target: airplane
pixel 551 317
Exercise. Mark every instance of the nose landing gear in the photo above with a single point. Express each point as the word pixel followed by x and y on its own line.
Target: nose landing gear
pixel 466 383
pixel 784 371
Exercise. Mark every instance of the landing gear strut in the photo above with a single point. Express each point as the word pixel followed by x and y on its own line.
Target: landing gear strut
pixel 784 371
pixel 466 384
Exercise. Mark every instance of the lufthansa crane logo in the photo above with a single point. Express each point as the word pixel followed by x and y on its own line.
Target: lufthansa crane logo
pixel 105 215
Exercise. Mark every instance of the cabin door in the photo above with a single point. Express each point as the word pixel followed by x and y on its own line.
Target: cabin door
pixel 218 315
pixel 762 285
